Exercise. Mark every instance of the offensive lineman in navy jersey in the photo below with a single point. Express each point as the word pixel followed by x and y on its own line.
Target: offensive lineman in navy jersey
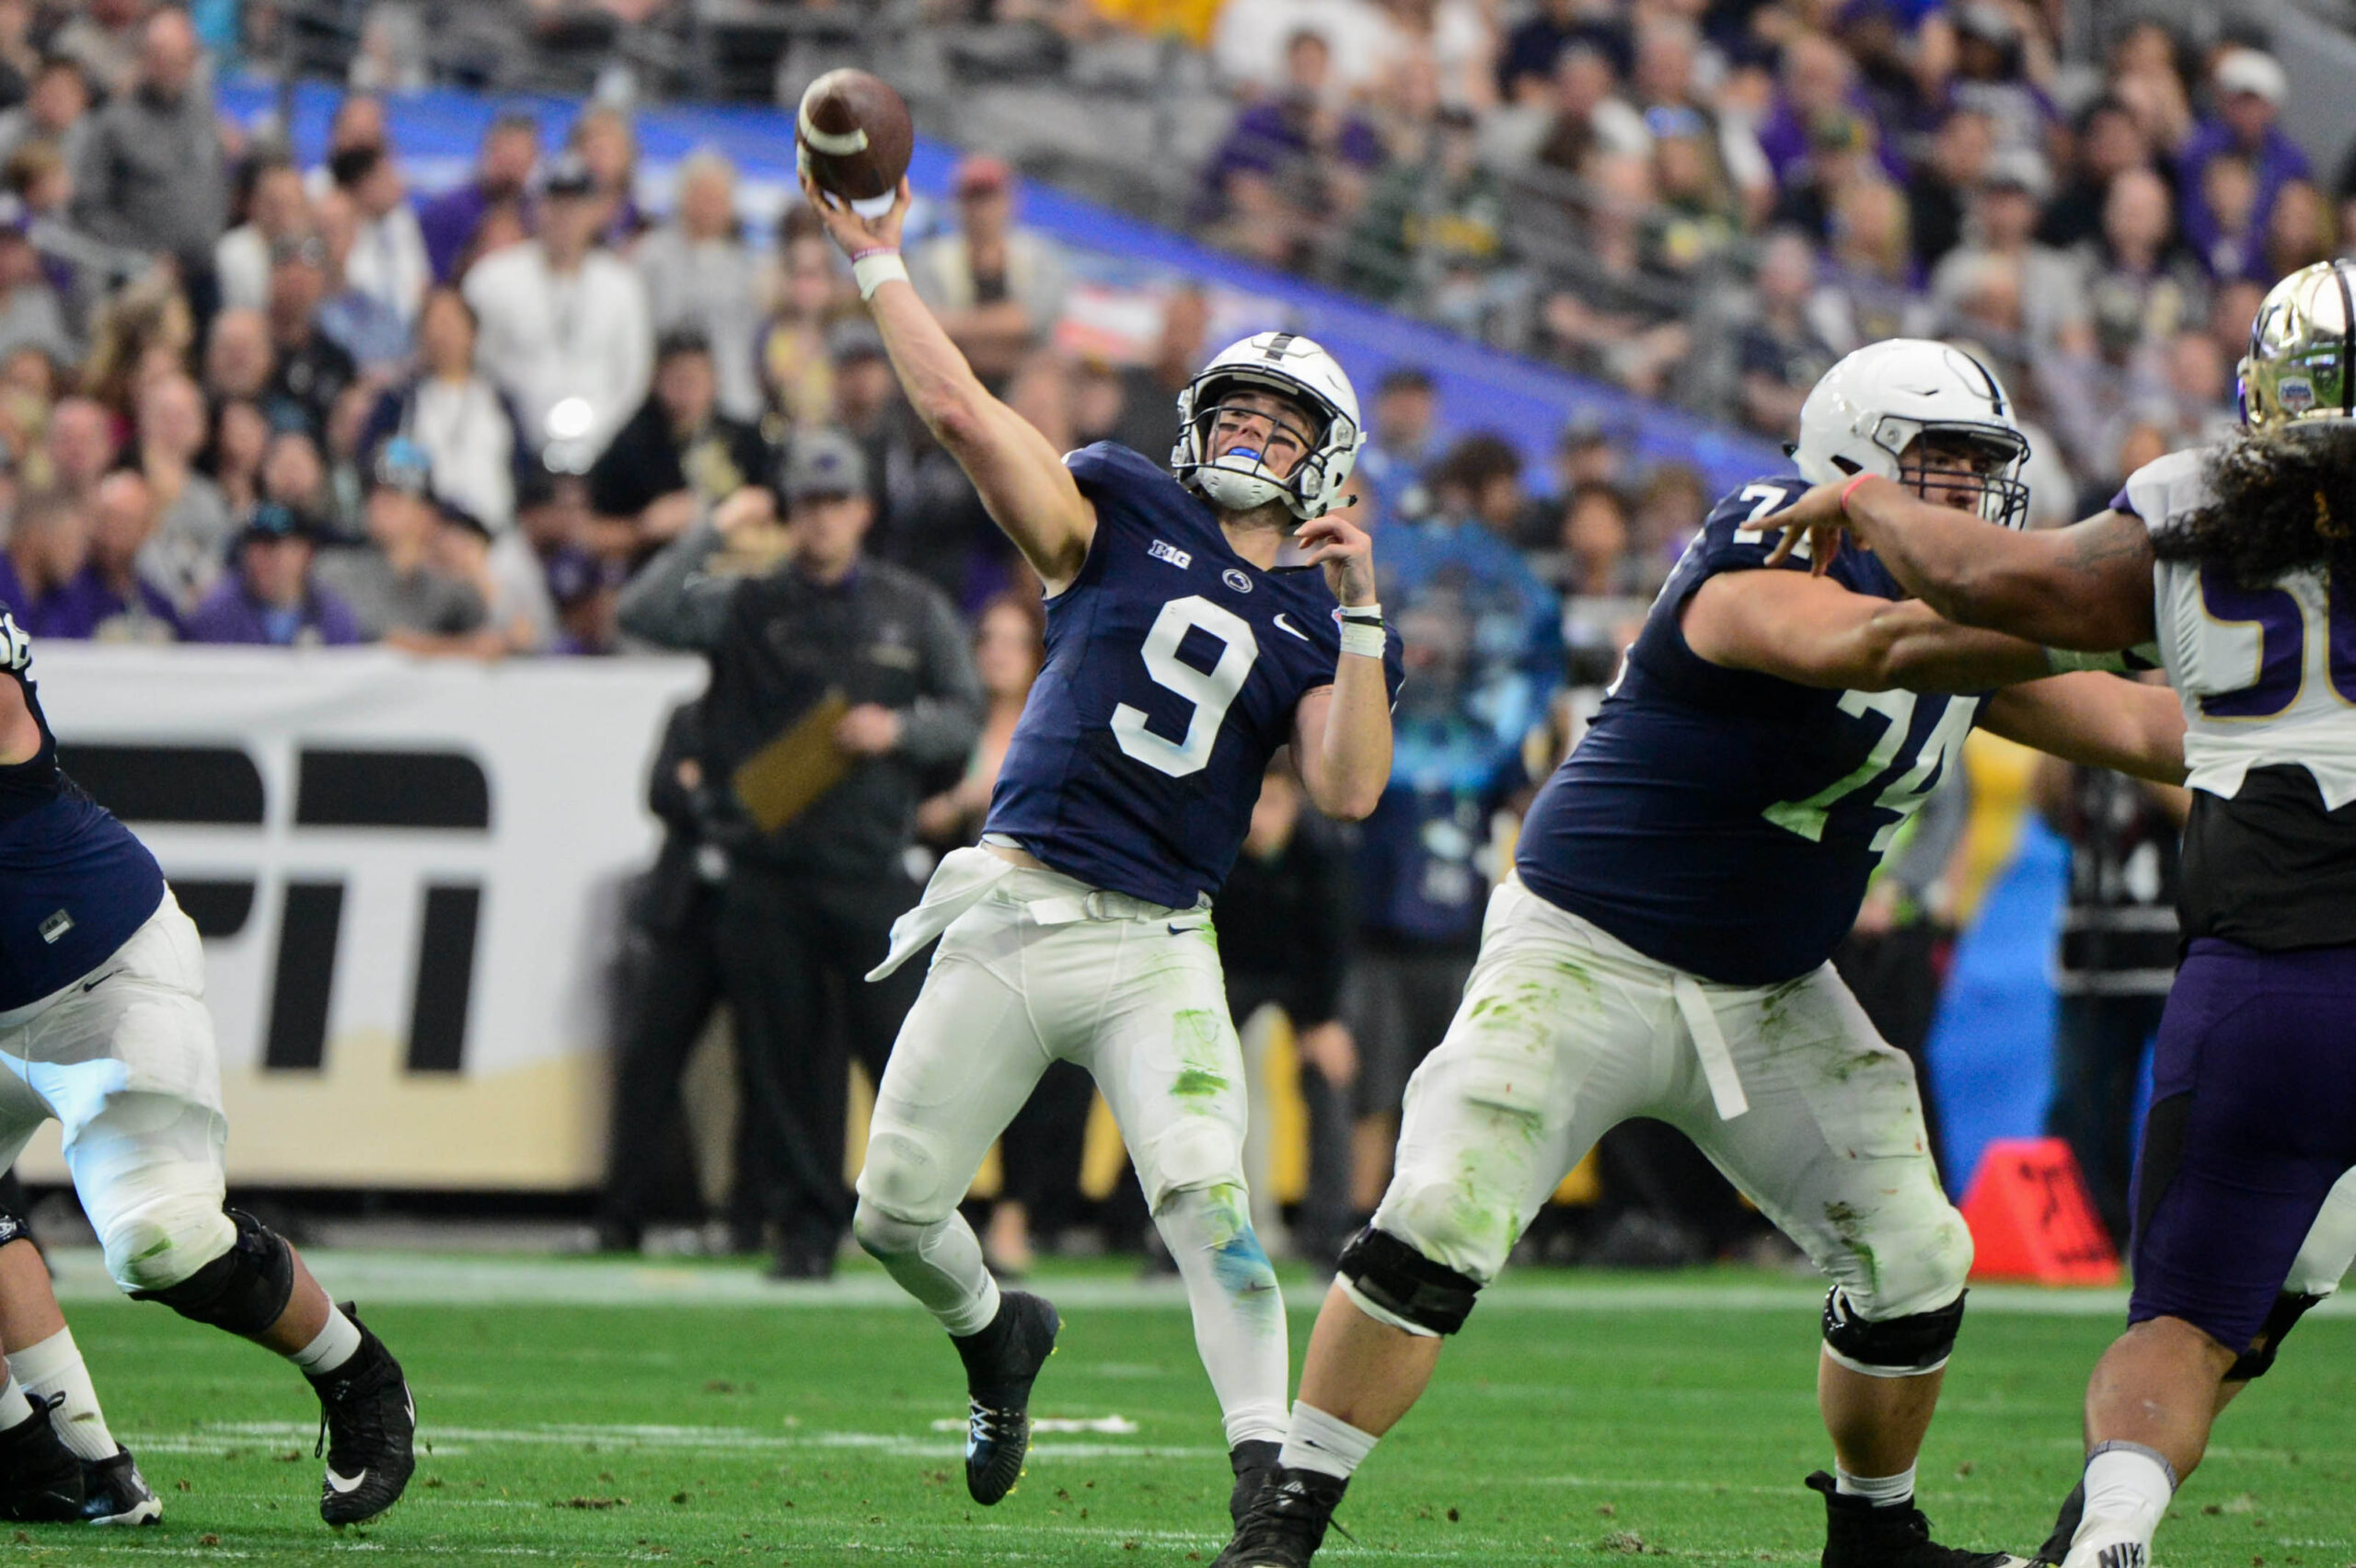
pixel 1180 657
pixel 103 1026
pixel 1661 950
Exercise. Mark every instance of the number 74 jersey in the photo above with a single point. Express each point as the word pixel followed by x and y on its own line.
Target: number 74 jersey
pixel 1173 669
pixel 1723 821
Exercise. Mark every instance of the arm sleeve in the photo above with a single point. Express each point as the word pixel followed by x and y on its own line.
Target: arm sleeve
pixel 95 209
pixel 673 602
pixel 942 725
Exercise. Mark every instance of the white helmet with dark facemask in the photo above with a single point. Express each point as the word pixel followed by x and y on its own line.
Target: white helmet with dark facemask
pixel 1925 413
pixel 1291 366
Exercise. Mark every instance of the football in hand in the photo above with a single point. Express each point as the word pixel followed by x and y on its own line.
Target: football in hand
pixel 854 137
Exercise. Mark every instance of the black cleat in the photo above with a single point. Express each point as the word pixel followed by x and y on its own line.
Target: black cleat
pixel 1000 1363
pixel 1857 1534
pixel 1286 1522
pixel 40 1478
pixel 114 1492
pixel 367 1425
pixel 1251 1462
pixel 2065 1529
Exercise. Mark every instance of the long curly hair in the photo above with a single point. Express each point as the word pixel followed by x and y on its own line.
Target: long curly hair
pixel 2281 501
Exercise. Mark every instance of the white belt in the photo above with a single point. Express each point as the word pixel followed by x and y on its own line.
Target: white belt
pixel 965 877
pixel 1710 1044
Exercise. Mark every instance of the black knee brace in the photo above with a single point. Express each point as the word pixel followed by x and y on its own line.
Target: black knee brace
pixel 244 1290
pixel 1401 1281
pixel 14 1225
pixel 1895 1347
pixel 2259 1359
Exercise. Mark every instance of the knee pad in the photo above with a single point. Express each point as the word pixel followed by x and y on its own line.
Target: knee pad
pixel 164 1239
pixel 1408 1287
pixel 244 1290
pixel 881 1234
pixel 2259 1359
pixel 903 1179
pixel 1196 1154
pixel 14 1225
pixel 1910 1346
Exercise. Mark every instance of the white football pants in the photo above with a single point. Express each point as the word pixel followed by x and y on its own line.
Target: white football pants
pixel 1565 1031
pixel 124 1059
pixel 1037 968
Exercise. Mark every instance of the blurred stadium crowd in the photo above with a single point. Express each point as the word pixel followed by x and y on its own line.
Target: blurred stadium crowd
pixel 247 401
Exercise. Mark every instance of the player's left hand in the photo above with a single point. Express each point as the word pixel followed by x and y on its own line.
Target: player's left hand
pixel 869 730
pixel 1344 551
pixel 1816 517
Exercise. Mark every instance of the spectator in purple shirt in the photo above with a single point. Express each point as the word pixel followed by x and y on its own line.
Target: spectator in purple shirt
pixel 1818 84
pixel 2250 87
pixel 107 601
pixel 511 150
pixel 1290 163
pixel 271 599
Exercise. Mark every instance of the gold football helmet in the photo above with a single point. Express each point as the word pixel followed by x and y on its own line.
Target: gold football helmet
pixel 2302 359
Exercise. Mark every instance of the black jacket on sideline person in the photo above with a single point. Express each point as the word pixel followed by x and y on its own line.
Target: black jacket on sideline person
pixel 779 644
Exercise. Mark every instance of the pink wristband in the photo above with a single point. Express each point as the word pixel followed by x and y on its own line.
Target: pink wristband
pixel 1850 488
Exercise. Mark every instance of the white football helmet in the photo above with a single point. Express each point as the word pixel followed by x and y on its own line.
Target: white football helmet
pixel 1291 366
pixel 1869 410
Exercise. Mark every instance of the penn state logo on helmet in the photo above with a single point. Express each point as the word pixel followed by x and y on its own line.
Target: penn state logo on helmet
pixel 1240 480
pixel 2301 367
pixel 1926 414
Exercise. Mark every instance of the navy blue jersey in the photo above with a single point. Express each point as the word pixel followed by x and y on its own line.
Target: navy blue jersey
pixel 75 884
pixel 1173 668
pixel 1725 821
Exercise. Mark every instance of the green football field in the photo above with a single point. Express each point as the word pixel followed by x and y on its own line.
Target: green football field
pixel 591 1412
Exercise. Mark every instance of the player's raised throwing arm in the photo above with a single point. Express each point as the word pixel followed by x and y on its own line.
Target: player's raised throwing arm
pixel 1019 473
pixel 1342 732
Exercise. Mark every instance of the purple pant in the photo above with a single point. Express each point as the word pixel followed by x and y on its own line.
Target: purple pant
pixel 2253 1119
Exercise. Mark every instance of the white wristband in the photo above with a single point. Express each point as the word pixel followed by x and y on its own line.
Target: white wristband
pixel 875 268
pixel 1362 640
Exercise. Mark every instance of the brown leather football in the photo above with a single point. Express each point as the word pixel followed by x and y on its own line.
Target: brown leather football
pixel 852 135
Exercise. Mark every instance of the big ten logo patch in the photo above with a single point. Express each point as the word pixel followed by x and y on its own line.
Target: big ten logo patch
pixel 338 796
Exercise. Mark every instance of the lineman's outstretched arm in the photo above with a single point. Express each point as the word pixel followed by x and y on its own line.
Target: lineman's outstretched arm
pixel 2097 719
pixel 1812 631
pixel 2087 586
pixel 1021 477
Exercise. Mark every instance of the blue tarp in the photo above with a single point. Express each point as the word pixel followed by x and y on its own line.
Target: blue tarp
pixel 436 134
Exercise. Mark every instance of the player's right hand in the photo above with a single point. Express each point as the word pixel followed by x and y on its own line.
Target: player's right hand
pixel 850 231
pixel 1818 517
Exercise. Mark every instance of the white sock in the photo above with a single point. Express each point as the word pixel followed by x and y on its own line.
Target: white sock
pixel 1881 1491
pixel 15 1408
pixel 331 1346
pixel 2128 1490
pixel 1316 1441
pixel 53 1367
pixel 1238 1315
pixel 941 1265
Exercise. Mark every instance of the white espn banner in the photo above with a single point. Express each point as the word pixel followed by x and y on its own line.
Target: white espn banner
pixel 409 872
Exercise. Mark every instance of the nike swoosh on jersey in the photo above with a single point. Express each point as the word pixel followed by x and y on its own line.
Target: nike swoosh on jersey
pixel 89 985
pixel 337 1484
pixel 1284 625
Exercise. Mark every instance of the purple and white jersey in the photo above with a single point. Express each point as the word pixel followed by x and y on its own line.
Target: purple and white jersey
pixel 2267 674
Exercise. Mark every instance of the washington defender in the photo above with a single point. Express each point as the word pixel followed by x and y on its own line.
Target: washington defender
pixel 2239 559
pixel 1662 949
pixel 1180 655
pixel 103 1027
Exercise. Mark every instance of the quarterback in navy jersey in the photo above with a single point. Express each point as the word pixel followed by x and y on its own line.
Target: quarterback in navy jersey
pixel 103 1027
pixel 1195 624
pixel 2231 565
pixel 1662 950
